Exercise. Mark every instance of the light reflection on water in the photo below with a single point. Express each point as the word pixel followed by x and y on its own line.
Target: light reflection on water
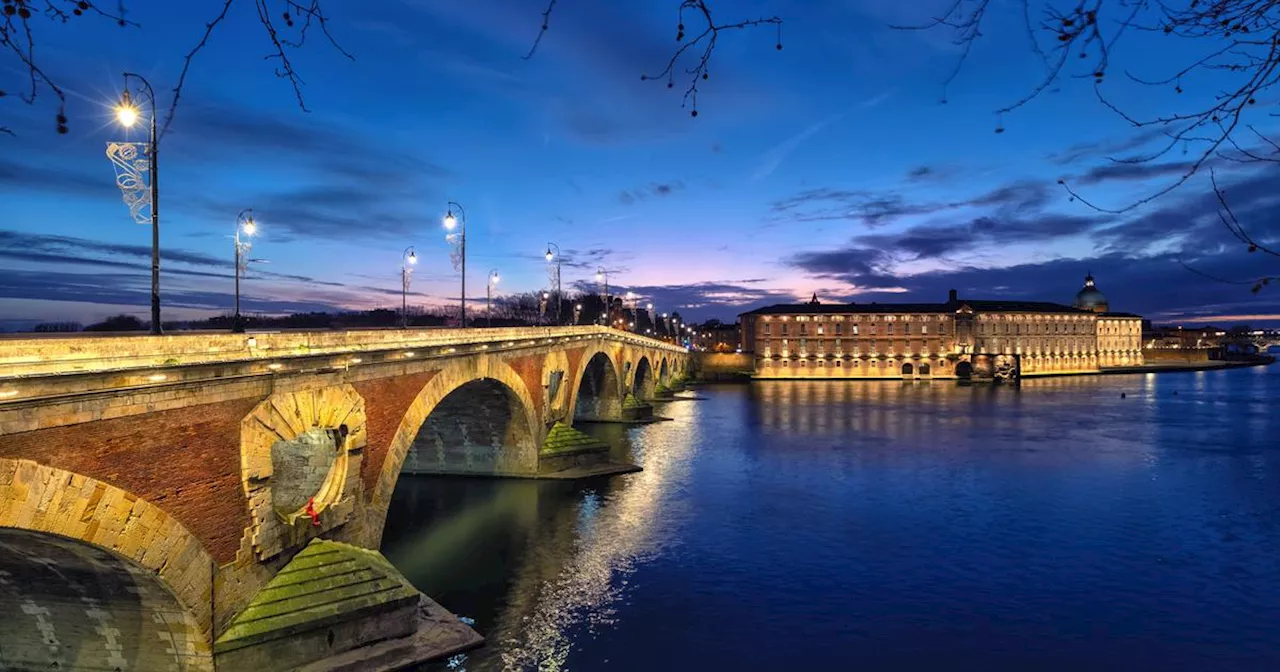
pixel 824 525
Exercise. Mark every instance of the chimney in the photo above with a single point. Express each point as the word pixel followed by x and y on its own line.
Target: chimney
pixel 951 296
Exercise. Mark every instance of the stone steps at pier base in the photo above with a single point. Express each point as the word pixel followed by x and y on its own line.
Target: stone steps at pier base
pixel 340 607
pixel 570 454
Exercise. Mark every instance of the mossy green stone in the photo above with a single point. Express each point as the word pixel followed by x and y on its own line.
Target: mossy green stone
pixel 327 581
pixel 563 437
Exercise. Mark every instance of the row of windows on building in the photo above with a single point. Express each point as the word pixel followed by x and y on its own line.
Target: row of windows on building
pixel 838 329
pixel 924 368
pixel 1015 346
pixel 940 329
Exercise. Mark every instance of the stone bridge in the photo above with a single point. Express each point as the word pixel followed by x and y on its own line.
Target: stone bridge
pixel 232 489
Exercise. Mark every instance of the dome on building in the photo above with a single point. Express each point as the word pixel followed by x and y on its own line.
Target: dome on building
pixel 1090 297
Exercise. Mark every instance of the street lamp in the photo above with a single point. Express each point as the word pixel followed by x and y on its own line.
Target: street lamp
pixel 603 275
pixel 450 221
pixel 127 114
pixel 556 257
pixel 488 295
pixel 577 313
pixel 407 260
pixel 244 223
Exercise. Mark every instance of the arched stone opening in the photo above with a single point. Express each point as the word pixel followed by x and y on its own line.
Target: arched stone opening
pixel 480 427
pixel 643 384
pixel 908 369
pixel 77 606
pixel 97 515
pixel 598 391
pixel 664 372
pixel 925 370
pixel 964 371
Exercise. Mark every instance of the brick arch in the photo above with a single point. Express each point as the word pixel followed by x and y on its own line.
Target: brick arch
pixel 612 354
pixel 644 378
pixel 457 373
pixel 664 371
pixel 41 498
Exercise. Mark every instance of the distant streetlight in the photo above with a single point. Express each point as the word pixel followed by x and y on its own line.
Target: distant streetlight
pixel 127 114
pixel 488 295
pixel 244 224
pixel 407 260
pixel 603 275
pixel 577 313
pixel 450 221
pixel 556 257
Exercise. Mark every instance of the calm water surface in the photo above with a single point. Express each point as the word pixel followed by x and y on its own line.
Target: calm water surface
pixel 833 525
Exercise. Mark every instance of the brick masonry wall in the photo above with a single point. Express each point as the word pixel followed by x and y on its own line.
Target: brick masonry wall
pixel 185 461
pixel 386 401
pixel 529 368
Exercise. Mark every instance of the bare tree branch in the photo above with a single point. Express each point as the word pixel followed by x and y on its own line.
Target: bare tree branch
pixel 1243 37
pixel 546 23
pixel 285 22
pixel 702 46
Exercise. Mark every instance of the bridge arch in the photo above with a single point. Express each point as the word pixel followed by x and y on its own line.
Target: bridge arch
pixel 664 371
pixel 597 392
pixel 483 378
pixel 643 381
pixel 142 537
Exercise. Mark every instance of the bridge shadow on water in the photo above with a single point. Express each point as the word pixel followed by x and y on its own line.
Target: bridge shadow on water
pixel 485 547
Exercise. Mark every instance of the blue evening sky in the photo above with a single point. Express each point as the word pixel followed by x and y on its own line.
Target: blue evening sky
pixel 830 166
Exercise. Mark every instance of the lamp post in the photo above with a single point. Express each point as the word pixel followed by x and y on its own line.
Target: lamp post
pixel 602 274
pixel 244 223
pixel 556 257
pixel 127 114
pixel 450 221
pixel 488 295
pixel 577 313
pixel 407 260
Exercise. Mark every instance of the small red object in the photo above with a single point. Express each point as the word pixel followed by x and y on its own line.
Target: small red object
pixel 311 511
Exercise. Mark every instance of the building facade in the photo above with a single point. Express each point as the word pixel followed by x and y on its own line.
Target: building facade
pixel 939 340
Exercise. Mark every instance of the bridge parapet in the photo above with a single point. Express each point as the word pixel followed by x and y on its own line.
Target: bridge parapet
pixel 36 369
pixel 79 353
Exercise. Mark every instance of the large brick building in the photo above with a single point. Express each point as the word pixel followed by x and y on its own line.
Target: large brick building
pixel 940 340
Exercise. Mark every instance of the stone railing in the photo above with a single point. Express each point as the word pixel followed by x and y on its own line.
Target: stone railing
pixel 63 354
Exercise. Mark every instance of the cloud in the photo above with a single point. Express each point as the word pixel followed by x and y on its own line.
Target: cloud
pixel 876 208
pixel 774 157
pixel 1110 147
pixel 654 189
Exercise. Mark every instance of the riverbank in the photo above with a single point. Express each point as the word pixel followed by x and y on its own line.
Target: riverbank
pixel 722 376
pixel 1211 365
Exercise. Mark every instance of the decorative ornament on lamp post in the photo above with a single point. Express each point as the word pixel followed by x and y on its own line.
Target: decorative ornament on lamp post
pixel 140 192
pixel 407 261
pixel 488 295
pixel 245 224
pixel 556 257
pixel 603 275
pixel 458 255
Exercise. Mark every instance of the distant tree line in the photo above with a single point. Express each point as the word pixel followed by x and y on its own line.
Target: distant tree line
pixel 510 310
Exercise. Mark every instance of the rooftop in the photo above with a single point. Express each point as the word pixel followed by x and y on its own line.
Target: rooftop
pixel 980 305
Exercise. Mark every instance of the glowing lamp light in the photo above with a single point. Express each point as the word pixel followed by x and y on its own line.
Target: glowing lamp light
pixel 599 276
pixel 549 255
pixel 275 366
pixel 355 360
pixel 450 221
pixel 126 111
pixel 413 257
pixel 156 377
pixel 250 227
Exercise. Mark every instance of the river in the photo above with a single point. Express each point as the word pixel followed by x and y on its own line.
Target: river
pixel 797 525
